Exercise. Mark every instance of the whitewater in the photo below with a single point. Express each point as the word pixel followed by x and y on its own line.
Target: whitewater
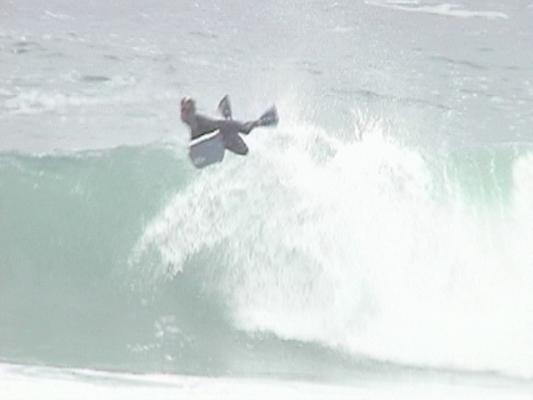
pixel 377 244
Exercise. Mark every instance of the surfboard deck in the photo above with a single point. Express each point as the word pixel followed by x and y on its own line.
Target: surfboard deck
pixel 207 150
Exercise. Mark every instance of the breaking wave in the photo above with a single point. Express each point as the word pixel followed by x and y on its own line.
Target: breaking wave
pixel 361 250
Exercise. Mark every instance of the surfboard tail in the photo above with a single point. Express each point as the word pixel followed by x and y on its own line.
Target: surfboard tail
pixel 269 117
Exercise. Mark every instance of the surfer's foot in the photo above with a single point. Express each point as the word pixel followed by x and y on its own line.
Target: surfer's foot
pixel 269 118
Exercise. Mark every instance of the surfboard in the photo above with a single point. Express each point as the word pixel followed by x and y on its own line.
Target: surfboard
pixel 206 150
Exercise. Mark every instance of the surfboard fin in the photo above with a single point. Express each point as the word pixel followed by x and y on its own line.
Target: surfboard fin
pixel 224 107
pixel 269 117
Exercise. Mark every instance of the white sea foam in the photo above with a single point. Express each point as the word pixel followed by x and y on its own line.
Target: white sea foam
pixel 31 382
pixel 56 15
pixel 445 9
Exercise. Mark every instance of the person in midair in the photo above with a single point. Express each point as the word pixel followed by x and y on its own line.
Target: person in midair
pixel 229 129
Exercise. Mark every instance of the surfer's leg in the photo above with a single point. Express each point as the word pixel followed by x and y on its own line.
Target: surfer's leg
pixel 269 118
pixel 234 127
pixel 234 143
pixel 246 127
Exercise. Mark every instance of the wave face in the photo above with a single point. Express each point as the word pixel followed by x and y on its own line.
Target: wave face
pixel 313 253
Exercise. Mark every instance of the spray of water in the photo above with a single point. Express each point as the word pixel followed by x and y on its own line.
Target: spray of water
pixel 365 246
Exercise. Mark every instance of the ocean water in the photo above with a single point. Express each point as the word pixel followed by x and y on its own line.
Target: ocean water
pixel 377 244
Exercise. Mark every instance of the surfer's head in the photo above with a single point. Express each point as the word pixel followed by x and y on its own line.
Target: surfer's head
pixel 187 108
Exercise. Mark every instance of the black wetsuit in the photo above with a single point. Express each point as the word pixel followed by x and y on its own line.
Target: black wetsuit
pixel 229 129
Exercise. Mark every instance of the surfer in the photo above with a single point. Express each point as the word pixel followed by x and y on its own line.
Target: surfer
pixel 229 129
